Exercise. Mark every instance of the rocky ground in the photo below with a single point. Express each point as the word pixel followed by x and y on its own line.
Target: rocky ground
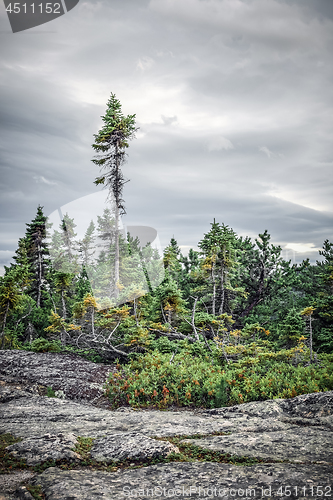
pixel 270 449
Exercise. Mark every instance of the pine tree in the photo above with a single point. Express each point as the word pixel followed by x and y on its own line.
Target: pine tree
pixel 110 144
pixel 22 265
pixel 86 245
pixel 83 286
pixel 292 328
pixel 172 260
pixel 217 247
pixel 323 301
pixel 62 282
pixel 9 298
pixel 37 252
pixel 264 274
pixel 69 244
pixel 308 312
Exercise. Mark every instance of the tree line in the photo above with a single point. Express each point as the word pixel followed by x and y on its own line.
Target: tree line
pixel 58 293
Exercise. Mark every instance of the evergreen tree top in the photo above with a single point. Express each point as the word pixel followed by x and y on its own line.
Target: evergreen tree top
pixel 116 128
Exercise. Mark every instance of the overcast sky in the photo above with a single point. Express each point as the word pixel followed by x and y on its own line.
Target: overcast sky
pixel 234 103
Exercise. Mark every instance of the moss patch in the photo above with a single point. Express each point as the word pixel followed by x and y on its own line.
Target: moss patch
pixel 7 462
pixel 83 447
pixel 194 453
pixel 36 491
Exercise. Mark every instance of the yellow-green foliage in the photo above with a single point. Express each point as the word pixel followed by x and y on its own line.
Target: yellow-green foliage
pixel 58 323
pixel 257 372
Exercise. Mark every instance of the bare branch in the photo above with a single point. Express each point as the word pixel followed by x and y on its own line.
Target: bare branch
pixel 192 319
pixel 115 328
pixel 174 354
pixel 174 335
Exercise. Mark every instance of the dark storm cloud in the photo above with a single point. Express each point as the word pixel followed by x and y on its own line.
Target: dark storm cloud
pixel 233 99
pixel 315 8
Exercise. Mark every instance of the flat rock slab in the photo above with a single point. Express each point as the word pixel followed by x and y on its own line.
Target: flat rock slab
pixel 129 446
pixel 36 415
pixel 77 378
pixel 300 444
pixel 317 404
pixel 35 450
pixel 25 415
pixel 189 480
pixel 9 483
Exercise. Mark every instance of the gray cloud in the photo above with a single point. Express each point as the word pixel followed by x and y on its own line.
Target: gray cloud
pixel 233 99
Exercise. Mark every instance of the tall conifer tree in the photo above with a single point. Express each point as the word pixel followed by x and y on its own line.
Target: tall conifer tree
pixel 37 252
pixel 110 145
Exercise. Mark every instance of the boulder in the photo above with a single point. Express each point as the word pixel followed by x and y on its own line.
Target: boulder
pixel 77 378
pixel 130 446
pixel 35 450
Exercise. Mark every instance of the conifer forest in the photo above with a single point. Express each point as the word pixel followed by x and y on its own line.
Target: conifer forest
pixel 228 323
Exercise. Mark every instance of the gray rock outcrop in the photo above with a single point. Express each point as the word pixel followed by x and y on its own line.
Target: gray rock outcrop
pixel 190 480
pixel 35 450
pixel 296 431
pixel 77 378
pixel 298 444
pixel 129 446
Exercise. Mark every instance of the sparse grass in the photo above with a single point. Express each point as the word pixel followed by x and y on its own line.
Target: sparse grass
pixel 7 462
pixel 188 452
pixel 84 446
pixel 50 392
pixel 36 491
pixel 195 453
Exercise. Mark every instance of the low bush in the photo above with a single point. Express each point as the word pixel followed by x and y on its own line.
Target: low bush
pixel 152 380
pixel 43 345
pixel 189 378
pixel 271 379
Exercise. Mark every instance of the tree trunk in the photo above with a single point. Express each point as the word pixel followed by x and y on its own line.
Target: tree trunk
pixel 39 275
pixel 116 258
pixel 193 319
pixel 64 311
pixel 4 325
pixel 93 321
pixel 214 290
pixel 310 329
pixel 222 290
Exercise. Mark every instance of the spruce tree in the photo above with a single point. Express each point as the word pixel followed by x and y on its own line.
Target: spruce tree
pixel 217 247
pixel 292 328
pixel 324 298
pixel 265 275
pixel 9 298
pixel 110 145
pixel 37 252
pixel 86 245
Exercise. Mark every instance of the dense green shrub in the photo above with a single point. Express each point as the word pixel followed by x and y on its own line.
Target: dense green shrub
pixel 152 380
pixel 273 379
pixel 162 344
pixel 43 345
pixel 190 380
